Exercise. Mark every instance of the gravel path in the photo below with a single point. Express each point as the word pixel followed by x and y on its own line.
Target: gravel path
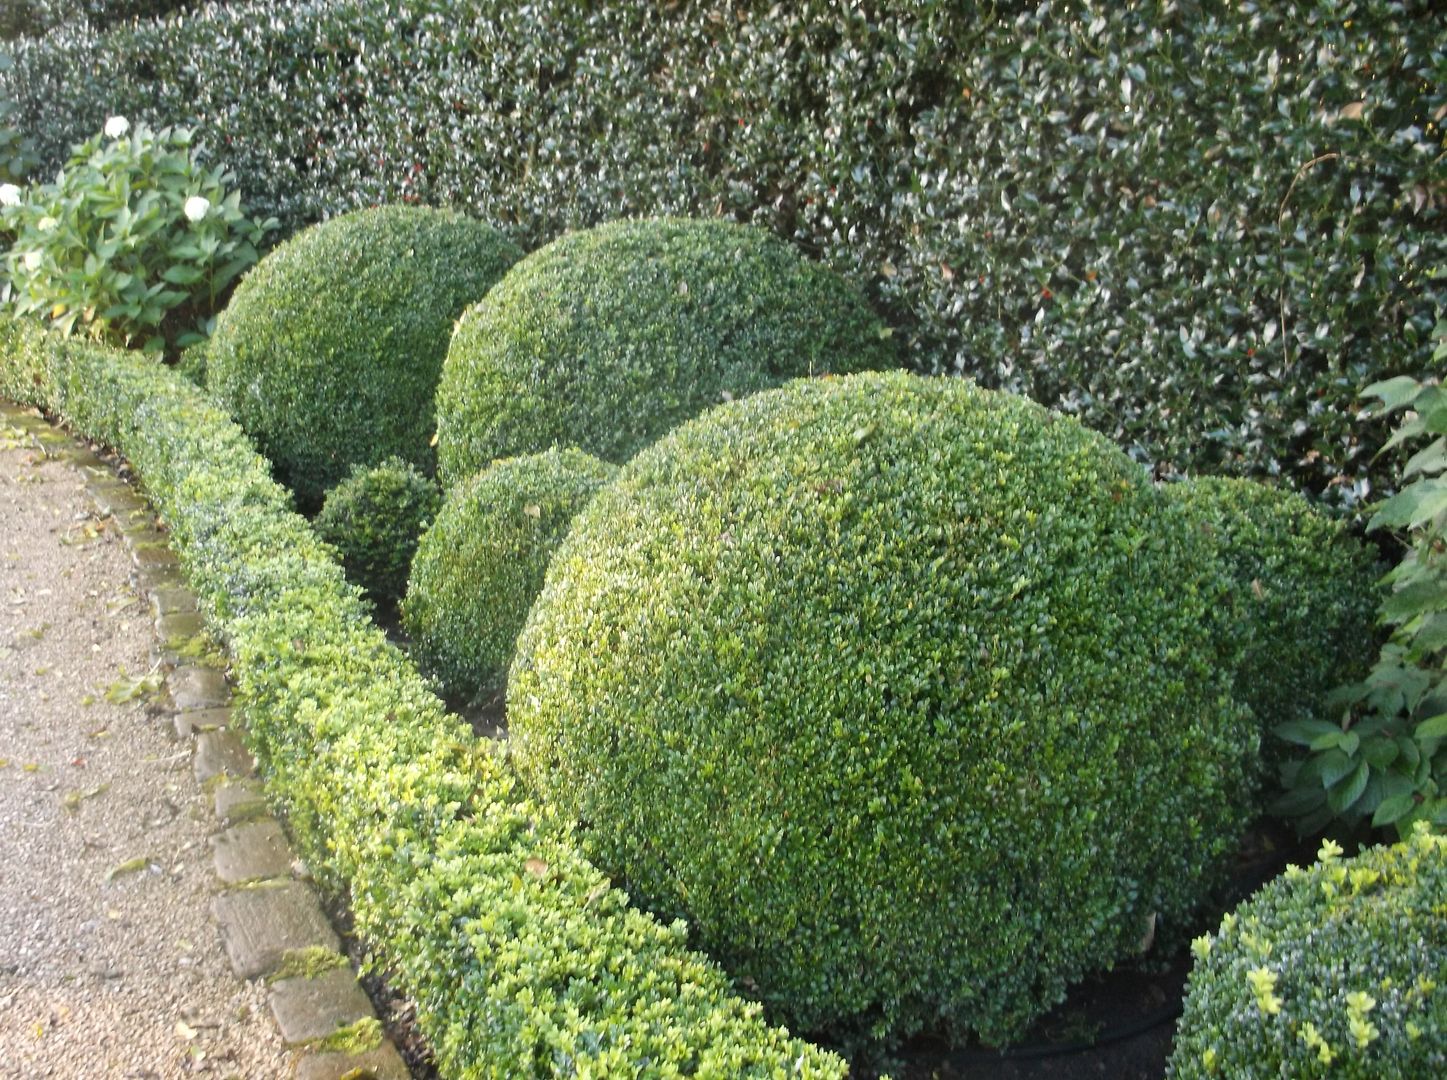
pixel 110 964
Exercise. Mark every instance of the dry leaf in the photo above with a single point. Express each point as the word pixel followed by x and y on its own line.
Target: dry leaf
pixel 536 867
pixel 1352 111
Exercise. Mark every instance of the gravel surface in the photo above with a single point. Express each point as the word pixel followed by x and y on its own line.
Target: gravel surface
pixel 110 964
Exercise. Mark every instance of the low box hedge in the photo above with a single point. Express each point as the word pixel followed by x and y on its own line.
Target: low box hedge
pixel 521 958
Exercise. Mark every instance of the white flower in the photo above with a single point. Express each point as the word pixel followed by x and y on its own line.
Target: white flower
pixel 9 195
pixel 117 126
pixel 47 224
pixel 32 261
pixel 196 207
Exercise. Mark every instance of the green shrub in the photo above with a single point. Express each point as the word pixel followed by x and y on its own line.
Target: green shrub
pixel 481 565
pixel 1303 595
pixel 521 958
pixel 329 352
pixel 1199 229
pixel 1335 971
pixel 902 690
pixel 17 156
pixel 135 242
pixel 32 18
pixel 1390 760
pixel 608 338
pixel 374 518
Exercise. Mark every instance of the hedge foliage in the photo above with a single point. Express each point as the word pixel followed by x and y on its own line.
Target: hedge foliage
pixel 481 565
pixel 1304 597
pixel 375 518
pixel 606 339
pixel 33 18
pixel 520 957
pixel 330 350
pixel 1200 227
pixel 1336 971
pixel 904 692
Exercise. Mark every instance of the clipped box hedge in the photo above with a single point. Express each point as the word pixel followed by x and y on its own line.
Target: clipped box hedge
pixel 911 696
pixel 481 565
pixel 520 957
pixel 1199 227
pixel 607 339
pixel 1337 971
pixel 329 353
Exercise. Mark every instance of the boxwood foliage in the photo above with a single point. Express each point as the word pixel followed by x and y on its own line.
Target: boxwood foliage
pixel 1199 227
pixel 1339 970
pixel 1304 597
pixel 608 338
pixel 521 959
pixel 903 691
pixel 375 518
pixel 329 353
pixel 481 565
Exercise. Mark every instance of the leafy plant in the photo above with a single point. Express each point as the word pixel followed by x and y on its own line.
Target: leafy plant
pixel 481 565
pixel 907 694
pixel 374 518
pixel 607 338
pixel 1334 971
pixel 1387 759
pixel 330 351
pixel 135 242
pixel 17 153
pixel 1301 596
pixel 1200 228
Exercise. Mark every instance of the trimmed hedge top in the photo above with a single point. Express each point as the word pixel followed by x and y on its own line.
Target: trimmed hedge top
pixel 1304 592
pixel 1199 228
pixel 1335 971
pixel 608 338
pixel 328 354
pixel 521 959
pixel 481 565
pixel 903 691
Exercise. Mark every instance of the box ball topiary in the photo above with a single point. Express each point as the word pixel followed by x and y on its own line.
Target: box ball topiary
pixel 1304 592
pixel 374 518
pixel 1339 970
pixel 903 692
pixel 606 339
pixel 481 565
pixel 328 354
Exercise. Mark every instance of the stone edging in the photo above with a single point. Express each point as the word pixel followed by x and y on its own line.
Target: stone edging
pixel 272 924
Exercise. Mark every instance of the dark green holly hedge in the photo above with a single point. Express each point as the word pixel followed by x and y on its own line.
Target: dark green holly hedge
pixel 329 352
pixel 1339 970
pixel 481 565
pixel 607 338
pixel 1304 598
pixel 904 692
pixel 375 518
pixel 33 18
pixel 1201 227
pixel 521 959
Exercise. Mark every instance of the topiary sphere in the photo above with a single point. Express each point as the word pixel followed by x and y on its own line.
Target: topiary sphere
pixel 374 519
pixel 1335 971
pixel 330 350
pixel 902 691
pixel 608 338
pixel 481 565
pixel 1304 594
